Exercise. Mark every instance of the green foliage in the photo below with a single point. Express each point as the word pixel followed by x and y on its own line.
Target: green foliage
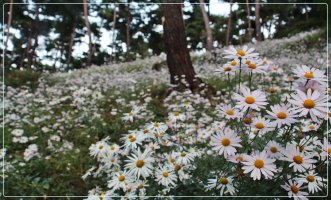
pixel 18 78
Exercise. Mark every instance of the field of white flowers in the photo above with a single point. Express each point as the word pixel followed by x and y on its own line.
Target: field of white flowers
pixel 116 131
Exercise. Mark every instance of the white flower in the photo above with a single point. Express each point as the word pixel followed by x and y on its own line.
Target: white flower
pixel 274 150
pixel 307 73
pixel 120 180
pixel 165 176
pixel 255 66
pixel 157 127
pixel 282 114
pixel 241 53
pixel 299 161
pixel 229 112
pixel 184 157
pixel 261 125
pixel 254 100
pixel 326 148
pixel 17 132
pixel 259 164
pixel 314 182
pixel 223 183
pixel 293 189
pixel 313 103
pixel 132 140
pixel 225 142
pixel 176 116
pixel 99 149
pixel 140 164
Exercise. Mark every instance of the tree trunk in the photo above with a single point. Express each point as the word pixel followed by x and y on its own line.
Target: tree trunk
pixel 90 53
pixel 182 74
pixel 249 21
pixel 209 42
pixel 257 21
pixel 71 43
pixel 10 14
pixel 113 49
pixel 26 50
pixel 35 37
pixel 128 22
pixel 228 31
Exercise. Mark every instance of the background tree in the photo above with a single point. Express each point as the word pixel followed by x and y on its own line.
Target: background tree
pixel 257 21
pixel 178 57
pixel 209 35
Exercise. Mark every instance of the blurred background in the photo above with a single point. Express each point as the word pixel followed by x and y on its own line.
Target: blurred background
pixel 43 36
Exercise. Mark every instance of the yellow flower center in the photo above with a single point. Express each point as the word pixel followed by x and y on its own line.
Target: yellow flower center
pixel 156 124
pixel 281 115
pixel 309 75
pixel 233 63
pixel 227 69
pixel 100 146
pixel 176 114
pixel 309 103
pixel 225 142
pixel 310 178
pixel 329 114
pixel 229 112
pixel 132 139
pixel 165 174
pixel 329 151
pixel 247 120
pixel 275 68
pixel 298 159
pixel 274 149
pixel 239 158
pixel 272 90
pixel 252 66
pixel 140 163
pixel 112 148
pixel 259 125
pixel 294 189
pixel 259 163
pixel 311 127
pixel 121 178
pixel 250 100
pixel 177 167
pixel 223 180
pixel 183 154
pixel 248 62
pixel 172 160
pixel 145 131
pixel 241 52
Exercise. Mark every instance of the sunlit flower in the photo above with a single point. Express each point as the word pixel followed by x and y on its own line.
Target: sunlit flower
pixel 282 114
pixel 225 142
pixel 241 53
pixel 254 100
pixel 165 176
pixel 140 164
pixel 312 73
pixel 259 164
pixel 313 103
pixel 299 160
pixel 293 188
pixel 223 183
pixel 315 182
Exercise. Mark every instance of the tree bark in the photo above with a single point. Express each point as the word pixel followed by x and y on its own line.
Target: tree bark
pixel 182 74
pixel 209 42
pixel 228 31
pixel 249 21
pixel 10 14
pixel 35 37
pixel 114 36
pixel 128 22
pixel 71 43
pixel 257 21
pixel 87 23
